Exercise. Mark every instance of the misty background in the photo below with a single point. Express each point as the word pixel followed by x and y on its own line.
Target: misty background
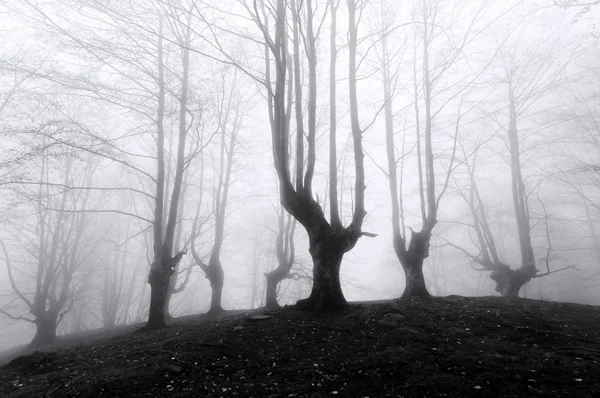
pixel 78 97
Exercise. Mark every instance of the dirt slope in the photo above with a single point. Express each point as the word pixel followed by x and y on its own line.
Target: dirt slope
pixel 452 347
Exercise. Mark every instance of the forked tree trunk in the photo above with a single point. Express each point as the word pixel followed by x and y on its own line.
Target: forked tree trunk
pixel 412 263
pixel 509 282
pixel 159 279
pixel 328 242
pixel 45 333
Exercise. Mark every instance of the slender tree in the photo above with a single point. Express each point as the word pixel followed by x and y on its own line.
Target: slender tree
pixel 57 244
pixel 441 54
pixel 165 262
pixel 285 254
pixel 233 105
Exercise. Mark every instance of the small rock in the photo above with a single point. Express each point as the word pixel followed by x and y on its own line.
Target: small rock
pixel 176 368
pixel 33 360
pixel 235 329
pixel 395 310
pixel 392 320
pixel 403 332
pixel 260 317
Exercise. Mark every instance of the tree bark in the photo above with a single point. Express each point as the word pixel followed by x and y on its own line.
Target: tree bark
pixel 166 313
pixel 45 334
pixel 415 281
pixel 273 279
pixel 509 282
pixel 286 253
pixel 215 276
pixel 328 242
pixel 159 285
pixel 165 263
pixel 327 254
pixel 412 263
pixel 161 271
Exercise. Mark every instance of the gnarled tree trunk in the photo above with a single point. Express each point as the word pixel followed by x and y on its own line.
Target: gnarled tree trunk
pixel 45 333
pixel 327 255
pixel 158 278
pixel 412 263
pixel 509 282
pixel 328 241
pixel 327 248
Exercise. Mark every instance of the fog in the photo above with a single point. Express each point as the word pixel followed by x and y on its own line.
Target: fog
pixel 162 158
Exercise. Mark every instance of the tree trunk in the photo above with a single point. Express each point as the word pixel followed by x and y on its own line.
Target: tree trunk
pixel 509 282
pixel 326 294
pixel 216 277
pixel 415 280
pixel 169 294
pixel 271 297
pixel 274 278
pixel 167 314
pixel 45 334
pixel 159 284
pixel 412 263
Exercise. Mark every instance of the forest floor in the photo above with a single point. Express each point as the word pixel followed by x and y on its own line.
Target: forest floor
pixel 441 347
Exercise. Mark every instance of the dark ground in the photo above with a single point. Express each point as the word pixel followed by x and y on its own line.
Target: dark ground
pixel 441 347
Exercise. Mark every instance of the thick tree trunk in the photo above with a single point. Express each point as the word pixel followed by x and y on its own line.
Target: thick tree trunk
pixel 326 294
pixel 415 280
pixel 159 278
pixel 216 277
pixel 159 284
pixel 412 263
pixel 45 333
pixel 271 297
pixel 166 313
pixel 509 282
pixel 170 289
pixel 274 278
pixel 169 295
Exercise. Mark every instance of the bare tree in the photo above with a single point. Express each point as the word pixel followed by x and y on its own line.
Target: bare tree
pixel 233 105
pixel 328 240
pixel 528 77
pixel 285 254
pixel 578 168
pixel 114 281
pixel 165 262
pixel 508 281
pixel 56 243
pixel 442 52
pixel 152 78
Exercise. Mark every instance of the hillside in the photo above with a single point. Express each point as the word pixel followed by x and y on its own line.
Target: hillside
pixel 451 346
